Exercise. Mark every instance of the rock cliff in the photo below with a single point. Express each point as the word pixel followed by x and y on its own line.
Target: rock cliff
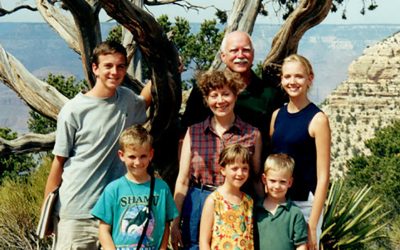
pixel 367 101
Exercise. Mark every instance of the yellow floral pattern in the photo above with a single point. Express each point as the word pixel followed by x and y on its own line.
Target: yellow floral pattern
pixel 233 224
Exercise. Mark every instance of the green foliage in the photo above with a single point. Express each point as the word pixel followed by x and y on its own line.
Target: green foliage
pixel 13 165
pixel 21 199
pixel 380 169
pixel 351 222
pixel 199 48
pixel 115 34
pixel 38 123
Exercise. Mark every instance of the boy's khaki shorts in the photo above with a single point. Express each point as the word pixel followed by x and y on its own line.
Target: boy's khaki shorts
pixel 76 234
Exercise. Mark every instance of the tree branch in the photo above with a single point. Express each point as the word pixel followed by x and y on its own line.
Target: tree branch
pixel 4 12
pixel 161 56
pixel 39 95
pixel 61 23
pixel 86 16
pixel 27 143
pixel 308 14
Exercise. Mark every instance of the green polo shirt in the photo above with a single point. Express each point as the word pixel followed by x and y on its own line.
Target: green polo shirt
pixel 284 230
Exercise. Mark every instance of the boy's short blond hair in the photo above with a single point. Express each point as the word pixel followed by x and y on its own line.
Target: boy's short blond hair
pixel 135 135
pixel 279 162
pixel 231 153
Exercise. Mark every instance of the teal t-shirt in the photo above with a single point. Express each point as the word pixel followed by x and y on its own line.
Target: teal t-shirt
pixel 283 230
pixel 123 205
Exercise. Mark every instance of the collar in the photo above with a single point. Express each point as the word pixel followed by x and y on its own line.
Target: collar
pixel 286 205
pixel 237 125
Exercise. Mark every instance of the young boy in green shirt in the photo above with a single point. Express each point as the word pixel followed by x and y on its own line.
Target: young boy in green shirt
pixel 279 223
pixel 123 208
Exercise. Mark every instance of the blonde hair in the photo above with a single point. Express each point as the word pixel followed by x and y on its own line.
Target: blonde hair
pixel 301 59
pixel 279 162
pixel 231 153
pixel 136 135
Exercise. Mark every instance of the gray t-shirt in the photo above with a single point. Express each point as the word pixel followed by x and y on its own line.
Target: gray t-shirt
pixel 87 134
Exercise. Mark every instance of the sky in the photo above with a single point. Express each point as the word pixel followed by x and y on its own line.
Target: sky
pixel 386 13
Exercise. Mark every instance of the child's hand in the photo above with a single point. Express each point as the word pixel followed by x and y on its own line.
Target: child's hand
pixel 176 237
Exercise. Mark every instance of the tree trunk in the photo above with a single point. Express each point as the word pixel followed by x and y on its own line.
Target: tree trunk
pixel 86 18
pixel 162 59
pixel 308 14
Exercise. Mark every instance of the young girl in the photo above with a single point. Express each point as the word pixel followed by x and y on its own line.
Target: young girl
pixel 226 221
pixel 301 130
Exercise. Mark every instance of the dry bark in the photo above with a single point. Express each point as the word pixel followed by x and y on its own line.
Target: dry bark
pixel 308 14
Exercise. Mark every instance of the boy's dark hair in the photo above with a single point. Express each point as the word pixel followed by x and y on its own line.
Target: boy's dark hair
pixel 209 81
pixel 279 162
pixel 234 152
pixel 135 135
pixel 106 48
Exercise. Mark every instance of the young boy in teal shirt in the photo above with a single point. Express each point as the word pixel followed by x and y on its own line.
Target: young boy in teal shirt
pixel 122 208
pixel 279 223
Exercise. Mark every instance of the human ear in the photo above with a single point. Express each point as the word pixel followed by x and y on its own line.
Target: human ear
pixel 151 154
pixel 223 171
pixel 290 182
pixel 121 154
pixel 95 68
pixel 264 179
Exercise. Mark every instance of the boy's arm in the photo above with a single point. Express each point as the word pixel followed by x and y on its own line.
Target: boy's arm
pixel 54 178
pixel 164 242
pixel 105 236
pixel 146 93
pixel 206 224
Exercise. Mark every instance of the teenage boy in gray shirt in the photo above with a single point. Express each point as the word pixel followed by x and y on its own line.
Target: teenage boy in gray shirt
pixel 85 151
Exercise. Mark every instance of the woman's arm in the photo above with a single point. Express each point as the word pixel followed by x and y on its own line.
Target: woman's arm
pixel 320 130
pixel 206 224
pixel 181 188
pixel 105 236
pixel 272 124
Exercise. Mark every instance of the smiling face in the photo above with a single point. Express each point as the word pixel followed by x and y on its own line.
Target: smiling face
pixel 109 71
pixel 237 52
pixel 136 159
pixel 221 101
pixel 277 183
pixel 295 79
pixel 236 173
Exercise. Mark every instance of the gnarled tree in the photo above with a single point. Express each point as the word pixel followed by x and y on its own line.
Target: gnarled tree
pixel 81 31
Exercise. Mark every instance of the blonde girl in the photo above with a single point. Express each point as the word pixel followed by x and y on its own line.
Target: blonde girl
pixel 301 130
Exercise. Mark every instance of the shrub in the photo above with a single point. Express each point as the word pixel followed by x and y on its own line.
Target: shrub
pixel 21 199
